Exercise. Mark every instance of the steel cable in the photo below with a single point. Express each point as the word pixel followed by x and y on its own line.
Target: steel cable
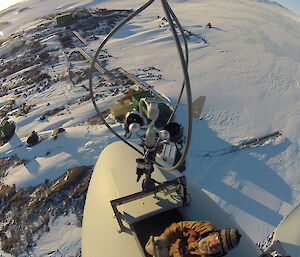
pixel 184 67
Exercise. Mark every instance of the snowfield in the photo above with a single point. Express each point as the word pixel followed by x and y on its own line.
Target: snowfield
pixel 249 70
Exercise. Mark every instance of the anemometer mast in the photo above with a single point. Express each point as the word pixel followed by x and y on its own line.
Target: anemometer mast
pixel 151 140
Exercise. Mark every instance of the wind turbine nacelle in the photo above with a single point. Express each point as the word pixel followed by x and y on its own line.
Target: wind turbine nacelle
pixel 119 217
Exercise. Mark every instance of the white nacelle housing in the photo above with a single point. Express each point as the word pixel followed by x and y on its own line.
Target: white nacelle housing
pixel 114 177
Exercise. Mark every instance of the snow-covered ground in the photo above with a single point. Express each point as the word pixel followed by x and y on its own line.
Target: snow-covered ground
pixel 250 72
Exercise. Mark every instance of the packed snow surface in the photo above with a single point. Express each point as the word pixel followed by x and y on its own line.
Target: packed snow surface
pixel 249 69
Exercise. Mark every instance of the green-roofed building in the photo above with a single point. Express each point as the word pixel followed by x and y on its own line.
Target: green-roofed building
pixel 63 19
pixel 6 128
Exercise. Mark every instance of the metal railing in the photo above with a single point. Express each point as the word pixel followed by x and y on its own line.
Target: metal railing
pixel 177 185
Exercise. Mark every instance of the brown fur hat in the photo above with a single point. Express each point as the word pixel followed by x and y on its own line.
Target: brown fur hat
pixel 230 238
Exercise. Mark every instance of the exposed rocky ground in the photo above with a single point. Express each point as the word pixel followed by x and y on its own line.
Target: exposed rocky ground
pixel 26 213
pixel 29 61
pixel 29 58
